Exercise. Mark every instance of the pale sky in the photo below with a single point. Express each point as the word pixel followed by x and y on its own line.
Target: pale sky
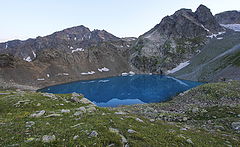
pixel 22 19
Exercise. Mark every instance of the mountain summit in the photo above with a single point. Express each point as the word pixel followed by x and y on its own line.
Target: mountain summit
pixel 174 40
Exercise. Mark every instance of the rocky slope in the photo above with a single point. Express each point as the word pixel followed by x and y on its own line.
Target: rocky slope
pixel 69 55
pixel 228 17
pixel 218 60
pixel 174 40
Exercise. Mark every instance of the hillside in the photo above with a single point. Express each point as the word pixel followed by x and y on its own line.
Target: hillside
pixel 190 119
pixel 69 55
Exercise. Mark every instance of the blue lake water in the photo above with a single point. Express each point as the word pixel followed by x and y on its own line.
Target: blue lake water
pixel 126 90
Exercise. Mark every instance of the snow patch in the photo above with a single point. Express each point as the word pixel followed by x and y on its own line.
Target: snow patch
pixel 103 81
pixel 75 38
pixel 34 54
pixel 215 35
pixel 131 73
pixel 219 38
pixel 6 46
pixel 88 73
pixel 205 28
pixel 63 74
pixel 180 66
pixel 28 59
pixel 78 50
pixel 104 69
pixel 235 27
pixel 48 75
pixel 71 48
pixel 124 74
pixel 42 79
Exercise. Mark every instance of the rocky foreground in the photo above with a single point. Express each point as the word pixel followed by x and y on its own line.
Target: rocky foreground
pixel 208 115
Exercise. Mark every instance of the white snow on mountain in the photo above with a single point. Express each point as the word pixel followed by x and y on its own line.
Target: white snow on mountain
pixel 78 50
pixel 103 69
pixel 28 59
pixel 235 27
pixel 180 66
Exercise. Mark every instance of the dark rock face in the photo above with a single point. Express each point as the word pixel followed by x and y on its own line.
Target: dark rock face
pixel 206 18
pixel 6 60
pixel 228 17
pixel 175 39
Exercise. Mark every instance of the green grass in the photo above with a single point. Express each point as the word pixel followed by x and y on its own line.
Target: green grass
pixel 13 120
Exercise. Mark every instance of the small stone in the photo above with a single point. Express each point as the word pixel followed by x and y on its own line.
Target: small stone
pixel 48 138
pixel 65 111
pixel 238 115
pixel 93 134
pixel 75 99
pixel 91 109
pixel 195 110
pixel 189 141
pixel 183 129
pixel 54 115
pixel 152 120
pixel 30 124
pixel 82 109
pixel 120 113
pixel 185 118
pixel 78 113
pixel 75 137
pixel 131 131
pixel 38 104
pixel 113 130
pixel 50 95
pixel 139 120
pixel 236 126
pixel 40 113
pixel 86 101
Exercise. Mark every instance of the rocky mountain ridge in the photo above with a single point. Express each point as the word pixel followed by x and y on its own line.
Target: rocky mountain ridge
pixel 175 39
pixel 228 17
pixel 69 55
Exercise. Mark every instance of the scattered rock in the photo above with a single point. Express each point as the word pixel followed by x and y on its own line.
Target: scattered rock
pixel 48 138
pixel 65 111
pixel 91 109
pixel 30 124
pixel 93 134
pixel 50 95
pixel 152 120
pixel 78 113
pixel 195 110
pixel 38 104
pixel 74 94
pixel 38 114
pixel 120 113
pixel 22 102
pixel 75 99
pixel 185 119
pixel 75 137
pixel 236 126
pixel 113 130
pixel 189 141
pixel 183 129
pixel 139 120
pixel 54 115
pixel 82 109
pixel 86 101
pixel 131 131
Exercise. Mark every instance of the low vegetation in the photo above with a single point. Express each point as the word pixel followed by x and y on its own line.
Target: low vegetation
pixel 40 119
